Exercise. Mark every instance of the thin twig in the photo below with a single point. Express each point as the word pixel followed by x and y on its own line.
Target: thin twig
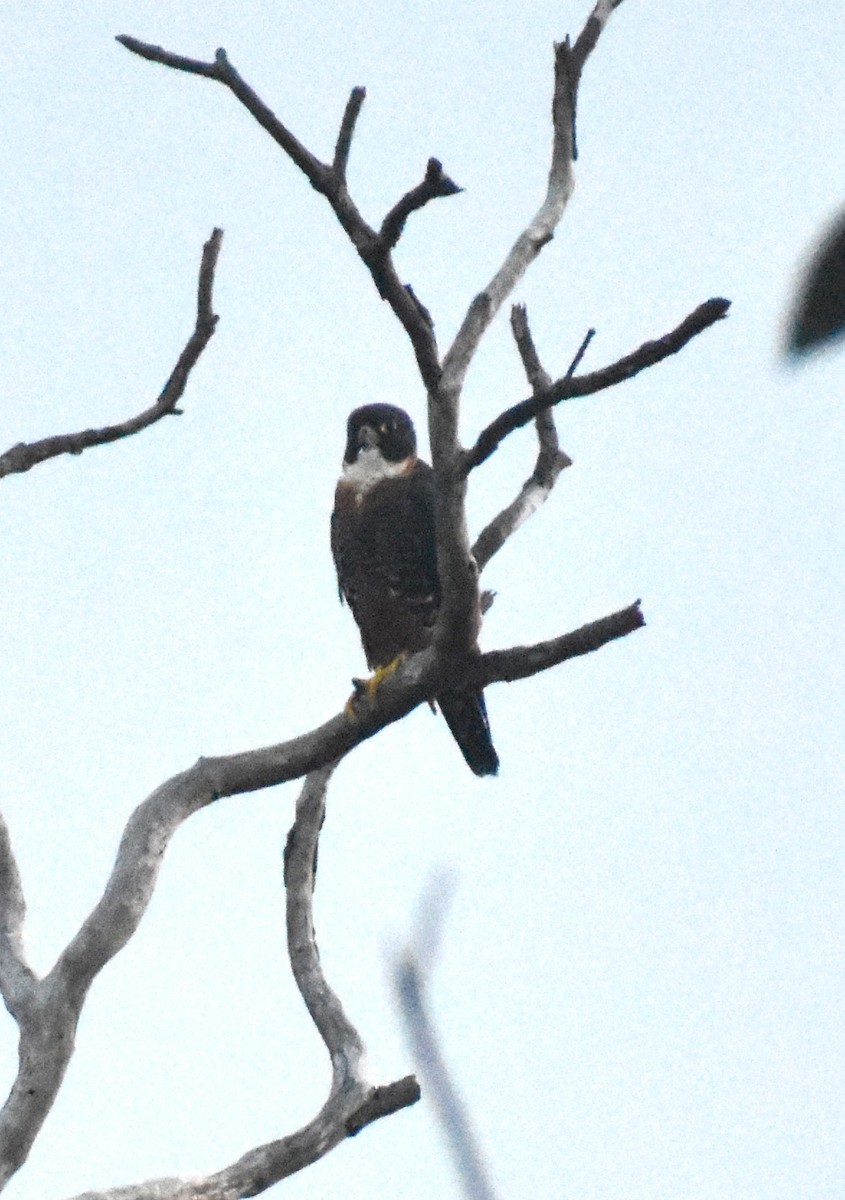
pixel 434 184
pixel 551 460
pixel 647 355
pixel 24 456
pixel 347 128
pixel 329 179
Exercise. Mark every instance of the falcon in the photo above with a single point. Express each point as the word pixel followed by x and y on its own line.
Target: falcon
pixel 385 552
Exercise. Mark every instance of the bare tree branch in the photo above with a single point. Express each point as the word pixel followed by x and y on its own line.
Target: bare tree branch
pixel 551 460
pixel 569 63
pixel 520 662
pixel 410 975
pixel 459 619
pixel 352 1102
pixel 647 355
pixel 48 1017
pixel 528 245
pixel 347 129
pixel 24 456
pixel 330 181
pixel 435 183
pixel 16 977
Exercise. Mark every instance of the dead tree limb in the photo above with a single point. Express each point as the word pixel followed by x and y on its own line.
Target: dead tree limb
pixel 47 1010
pixel 551 460
pixel 24 456
pixel 352 1102
pixel 567 388
pixel 329 179
pixel 460 615
pixel 411 974
pixel 459 618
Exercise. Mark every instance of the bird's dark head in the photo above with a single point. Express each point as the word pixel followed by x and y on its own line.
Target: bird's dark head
pixel 381 427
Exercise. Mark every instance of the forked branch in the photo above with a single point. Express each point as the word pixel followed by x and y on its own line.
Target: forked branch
pixel 567 388
pixel 47 1010
pixel 551 460
pixel 329 179
pixel 352 1102
pixel 24 456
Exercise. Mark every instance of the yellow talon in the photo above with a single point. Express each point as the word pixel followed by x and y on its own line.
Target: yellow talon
pixel 369 687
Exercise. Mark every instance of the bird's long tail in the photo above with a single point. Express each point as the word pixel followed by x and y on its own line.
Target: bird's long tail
pixel 466 716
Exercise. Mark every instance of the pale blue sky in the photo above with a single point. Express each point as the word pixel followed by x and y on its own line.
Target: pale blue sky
pixel 641 990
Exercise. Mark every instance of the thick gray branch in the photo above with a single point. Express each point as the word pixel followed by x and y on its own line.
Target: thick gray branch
pixel 459 618
pixel 16 978
pixel 352 1102
pixel 569 63
pixel 24 456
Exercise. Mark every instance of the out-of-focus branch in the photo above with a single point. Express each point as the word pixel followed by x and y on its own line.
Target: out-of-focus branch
pixel 551 460
pixel 410 976
pixel 24 456
pixel 647 355
pixel 818 313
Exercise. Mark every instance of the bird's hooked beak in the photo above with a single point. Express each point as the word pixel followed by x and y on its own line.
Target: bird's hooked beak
pixel 367 437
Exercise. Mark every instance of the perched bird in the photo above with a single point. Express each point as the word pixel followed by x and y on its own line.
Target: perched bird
pixel 385 553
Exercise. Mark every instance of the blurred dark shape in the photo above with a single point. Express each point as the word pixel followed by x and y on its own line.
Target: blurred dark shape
pixel 818 316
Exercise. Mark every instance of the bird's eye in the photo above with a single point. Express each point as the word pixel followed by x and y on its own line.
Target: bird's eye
pixel 385 427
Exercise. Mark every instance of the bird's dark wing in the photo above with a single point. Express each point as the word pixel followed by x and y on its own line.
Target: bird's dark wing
pixel 385 554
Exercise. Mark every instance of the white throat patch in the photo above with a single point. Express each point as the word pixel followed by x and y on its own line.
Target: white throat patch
pixel 369 468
